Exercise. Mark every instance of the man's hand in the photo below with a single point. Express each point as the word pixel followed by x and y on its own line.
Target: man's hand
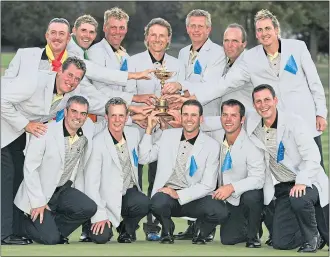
pixel 175 98
pixel 298 190
pixel 35 212
pixel 148 99
pixel 141 109
pixel 146 74
pixel 169 191
pixel 163 123
pixel 153 120
pixel 176 122
pixel 223 192
pixel 98 227
pixel 171 88
pixel 36 128
pixel 142 123
pixel 321 123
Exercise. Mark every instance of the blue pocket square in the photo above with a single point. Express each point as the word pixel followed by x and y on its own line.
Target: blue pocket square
pixel 124 66
pixel 226 165
pixel 291 66
pixel 280 152
pixel 193 166
pixel 197 68
pixel 59 115
pixel 135 158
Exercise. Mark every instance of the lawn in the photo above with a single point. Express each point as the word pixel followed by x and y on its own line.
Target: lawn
pixel 144 248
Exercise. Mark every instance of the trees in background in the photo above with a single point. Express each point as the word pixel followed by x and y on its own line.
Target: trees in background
pixel 24 23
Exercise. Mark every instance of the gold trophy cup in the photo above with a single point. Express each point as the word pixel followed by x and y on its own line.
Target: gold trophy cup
pixel 162 104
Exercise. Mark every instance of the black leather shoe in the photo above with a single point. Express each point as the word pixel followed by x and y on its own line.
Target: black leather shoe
pixel 124 238
pixel 186 235
pixel 28 240
pixel 269 241
pixel 64 241
pixel 84 238
pixel 166 239
pixel 14 240
pixel 253 243
pixel 321 244
pixel 210 237
pixel 310 246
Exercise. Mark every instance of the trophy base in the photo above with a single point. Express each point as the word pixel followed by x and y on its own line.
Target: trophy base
pixel 165 116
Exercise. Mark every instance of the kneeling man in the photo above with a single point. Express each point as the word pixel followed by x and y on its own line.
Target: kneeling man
pixel 111 178
pixel 188 162
pixel 51 194
pixel 241 177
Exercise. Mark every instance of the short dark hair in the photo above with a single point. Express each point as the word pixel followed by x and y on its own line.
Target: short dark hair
pixel 80 64
pixel 195 103
pixel 77 99
pixel 115 101
pixel 234 102
pixel 263 87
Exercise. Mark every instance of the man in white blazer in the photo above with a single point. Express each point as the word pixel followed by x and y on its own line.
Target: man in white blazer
pixel 241 178
pixel 188 161
pixel 111 178
pixel 203 59
pixel 110 54
pixel 30 96
pixel 52 192
pixel 286 64
pixel 158 33
pixel 302 201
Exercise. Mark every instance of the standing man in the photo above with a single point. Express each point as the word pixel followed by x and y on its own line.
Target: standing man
pixel 241 179
pixel 110 54
pixel 53 163
pixel 112 178
pixel 158 34
pixel 188 161
pixel 286 64
pixel 27 101
pixel 203 59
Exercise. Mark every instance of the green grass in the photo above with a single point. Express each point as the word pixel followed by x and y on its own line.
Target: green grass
pixel 144 248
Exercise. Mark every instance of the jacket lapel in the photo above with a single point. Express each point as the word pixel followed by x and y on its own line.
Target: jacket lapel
pixel 198 146
pixel 284 56
pixel 175 143
pixel 236 148
pixel 280 127
pixel 110 52
pixel 203 55
pixel 262 57
pixel 252 121
pixel 130 141
pixel 59 138
pixel 88 130
pixel 111 147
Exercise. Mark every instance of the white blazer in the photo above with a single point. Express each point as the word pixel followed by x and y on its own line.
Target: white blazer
pixel 212 59
pixel 301 93
pixel 248 169
pixel 97 72
pixel 102 54
pixel 205 152
pixel 44 165
pixel 103 174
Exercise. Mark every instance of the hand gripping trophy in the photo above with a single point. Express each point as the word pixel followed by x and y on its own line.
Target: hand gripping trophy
pixel 163 74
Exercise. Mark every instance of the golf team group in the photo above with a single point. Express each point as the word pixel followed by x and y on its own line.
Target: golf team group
pixel 239 143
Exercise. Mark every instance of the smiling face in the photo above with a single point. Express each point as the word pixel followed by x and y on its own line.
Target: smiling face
pixel 69 79
pixel 266 33
pixel 75 116
pixel 190 118
pixel 115 31
pixel 265 104
pixel 116 118
pixel 157 38
pixel 57 37
pixel 85 35
pixel 197 29
pixel 231 119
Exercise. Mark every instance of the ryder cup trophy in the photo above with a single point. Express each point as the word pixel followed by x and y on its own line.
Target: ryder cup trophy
pixel 163 74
